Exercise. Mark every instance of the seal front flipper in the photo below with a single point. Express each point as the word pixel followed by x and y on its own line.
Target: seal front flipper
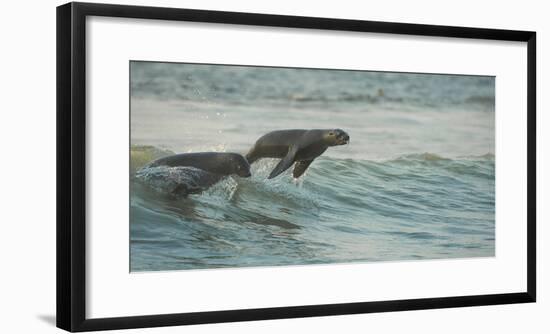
pixel 301 167
pixel 285 163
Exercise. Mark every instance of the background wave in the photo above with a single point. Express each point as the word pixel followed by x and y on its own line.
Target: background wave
pixel 276 86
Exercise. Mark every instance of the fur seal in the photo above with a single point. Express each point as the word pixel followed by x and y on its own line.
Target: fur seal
pixel 300 146
pixel 210 168
pixel 223 164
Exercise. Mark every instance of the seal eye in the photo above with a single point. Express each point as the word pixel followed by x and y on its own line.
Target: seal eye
pixel 331 133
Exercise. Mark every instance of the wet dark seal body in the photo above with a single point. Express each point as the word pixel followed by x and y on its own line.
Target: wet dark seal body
pixel 212 162
pixel 215 166
pixel 295 146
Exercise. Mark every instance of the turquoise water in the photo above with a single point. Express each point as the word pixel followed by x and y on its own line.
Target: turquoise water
pixel 416 181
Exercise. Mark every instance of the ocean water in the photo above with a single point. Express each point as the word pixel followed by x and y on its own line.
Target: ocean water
pixel 417 180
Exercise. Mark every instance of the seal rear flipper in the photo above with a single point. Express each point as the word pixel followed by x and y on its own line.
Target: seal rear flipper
pixel 284 164
pixel 301 167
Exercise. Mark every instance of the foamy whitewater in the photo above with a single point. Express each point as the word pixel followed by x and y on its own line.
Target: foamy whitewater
pixel 417 180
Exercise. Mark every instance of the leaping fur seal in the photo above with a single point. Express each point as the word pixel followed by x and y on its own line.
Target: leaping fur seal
pixel 300 146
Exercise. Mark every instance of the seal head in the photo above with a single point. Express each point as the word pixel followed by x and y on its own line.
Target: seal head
pixel 336 137
pixel 237 164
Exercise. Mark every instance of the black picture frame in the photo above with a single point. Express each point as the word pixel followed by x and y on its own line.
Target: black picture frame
pixel 71 166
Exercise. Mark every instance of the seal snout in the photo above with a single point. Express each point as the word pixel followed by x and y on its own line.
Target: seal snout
pixel 243 168
pixel 342 138
pixel 243 171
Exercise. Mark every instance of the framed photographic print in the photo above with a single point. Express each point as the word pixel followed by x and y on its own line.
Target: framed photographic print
pixel 221 166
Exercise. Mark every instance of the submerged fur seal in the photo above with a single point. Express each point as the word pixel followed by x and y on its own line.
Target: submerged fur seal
pixel 212 167
pixel 213 162
pixel 300 146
